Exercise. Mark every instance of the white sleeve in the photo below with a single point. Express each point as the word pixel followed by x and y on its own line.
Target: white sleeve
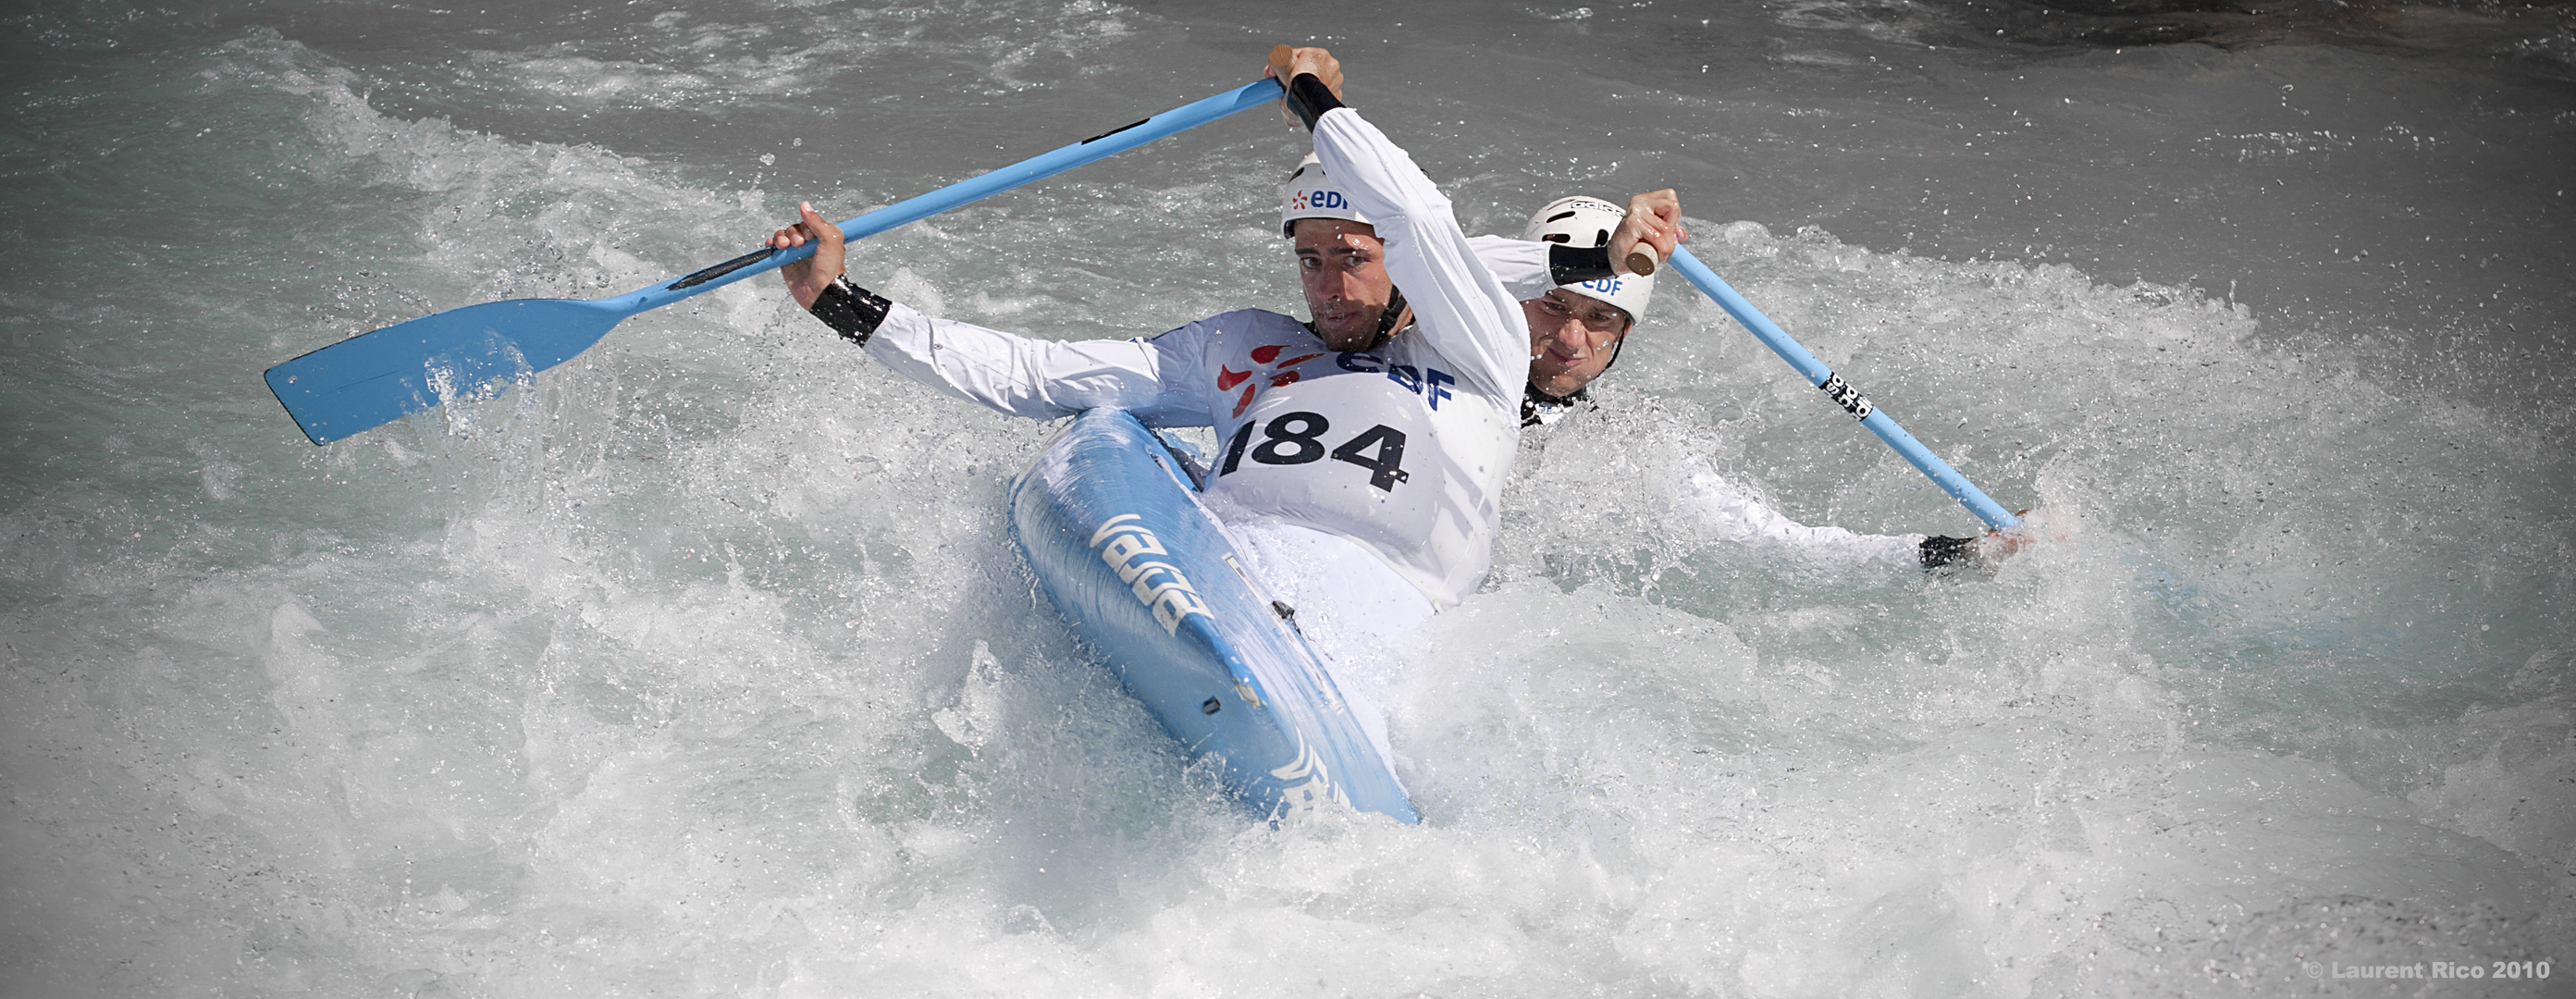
pixel 1520 264
pixel 1046 379
pixel 1463 311
pixel 1734 514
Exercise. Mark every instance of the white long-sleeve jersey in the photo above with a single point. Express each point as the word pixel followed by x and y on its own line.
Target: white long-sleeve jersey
pixel 1715 504
pixel 1402 449
pixel 1520 265
pixel 1734 513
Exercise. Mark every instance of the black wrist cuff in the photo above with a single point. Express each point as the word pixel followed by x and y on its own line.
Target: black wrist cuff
pixel 1940 551
pixel 850 310
pixel 1311 98
pixel 1572 264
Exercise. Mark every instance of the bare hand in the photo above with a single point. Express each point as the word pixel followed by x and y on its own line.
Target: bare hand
pixel 2038 524
pixel 807 278
pixel 1287 61
pixel 1655 219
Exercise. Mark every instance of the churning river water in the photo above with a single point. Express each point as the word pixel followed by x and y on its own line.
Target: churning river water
pixel 704 666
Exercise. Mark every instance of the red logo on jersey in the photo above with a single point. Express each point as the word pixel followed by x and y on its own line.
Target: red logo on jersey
pixel 1227 378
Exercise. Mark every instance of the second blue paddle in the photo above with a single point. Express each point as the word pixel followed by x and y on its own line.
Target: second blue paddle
pixel 1852 401
pixel 375 378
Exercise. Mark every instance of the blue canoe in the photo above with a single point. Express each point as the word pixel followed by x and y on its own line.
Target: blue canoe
pixel 1109 520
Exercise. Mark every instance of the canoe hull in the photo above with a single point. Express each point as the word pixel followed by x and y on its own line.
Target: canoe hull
pixel 1110 523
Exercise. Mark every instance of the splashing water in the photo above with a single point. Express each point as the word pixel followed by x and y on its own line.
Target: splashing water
pixel 702 664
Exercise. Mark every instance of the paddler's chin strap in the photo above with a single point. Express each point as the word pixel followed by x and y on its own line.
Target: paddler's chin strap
pixel 1615 346
pixel 1397 315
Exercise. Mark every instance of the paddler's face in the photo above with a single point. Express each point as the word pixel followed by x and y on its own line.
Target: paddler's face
pixel 1343 266
pixel 1572 338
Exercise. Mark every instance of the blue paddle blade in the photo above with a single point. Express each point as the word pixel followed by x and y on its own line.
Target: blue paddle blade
pixel 367 381
pixel 372 379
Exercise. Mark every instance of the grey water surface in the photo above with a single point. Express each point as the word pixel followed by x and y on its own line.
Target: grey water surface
pixel 702 665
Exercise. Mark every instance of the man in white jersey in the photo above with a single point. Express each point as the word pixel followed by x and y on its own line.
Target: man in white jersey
pixel 1579 310
pixel 1578 323
pixel 1361 455
pixel 1396 443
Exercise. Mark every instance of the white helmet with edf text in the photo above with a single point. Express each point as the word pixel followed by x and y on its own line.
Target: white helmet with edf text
pixel 1580 221
pixel 1311 195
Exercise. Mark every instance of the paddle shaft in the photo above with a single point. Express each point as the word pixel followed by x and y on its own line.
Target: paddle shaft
pixel 381 376
pixel 914 209
pixel 1822 377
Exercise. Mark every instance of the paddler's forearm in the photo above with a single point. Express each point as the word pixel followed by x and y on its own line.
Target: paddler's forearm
pixel 1023 376
pixel 1007 373
pixel 1733 514
pixel 1520 264
pixel 1528 268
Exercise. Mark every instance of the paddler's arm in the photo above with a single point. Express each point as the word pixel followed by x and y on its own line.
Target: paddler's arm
pixel 1005 372
pixel 1733 513
pixel 1462 310
pixel 1520 264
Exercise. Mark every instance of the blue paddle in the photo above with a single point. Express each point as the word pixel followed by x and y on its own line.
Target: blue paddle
pixel 1852 401
pixel 375 378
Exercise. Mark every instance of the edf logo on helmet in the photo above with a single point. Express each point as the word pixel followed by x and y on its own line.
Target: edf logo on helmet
pixel 1321 199
pixel 1602 286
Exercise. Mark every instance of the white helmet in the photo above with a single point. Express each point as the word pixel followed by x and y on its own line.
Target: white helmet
pixel 1311 195
pixel 1586 222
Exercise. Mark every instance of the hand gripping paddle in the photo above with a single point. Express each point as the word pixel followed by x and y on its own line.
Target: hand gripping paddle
pixel 375 378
